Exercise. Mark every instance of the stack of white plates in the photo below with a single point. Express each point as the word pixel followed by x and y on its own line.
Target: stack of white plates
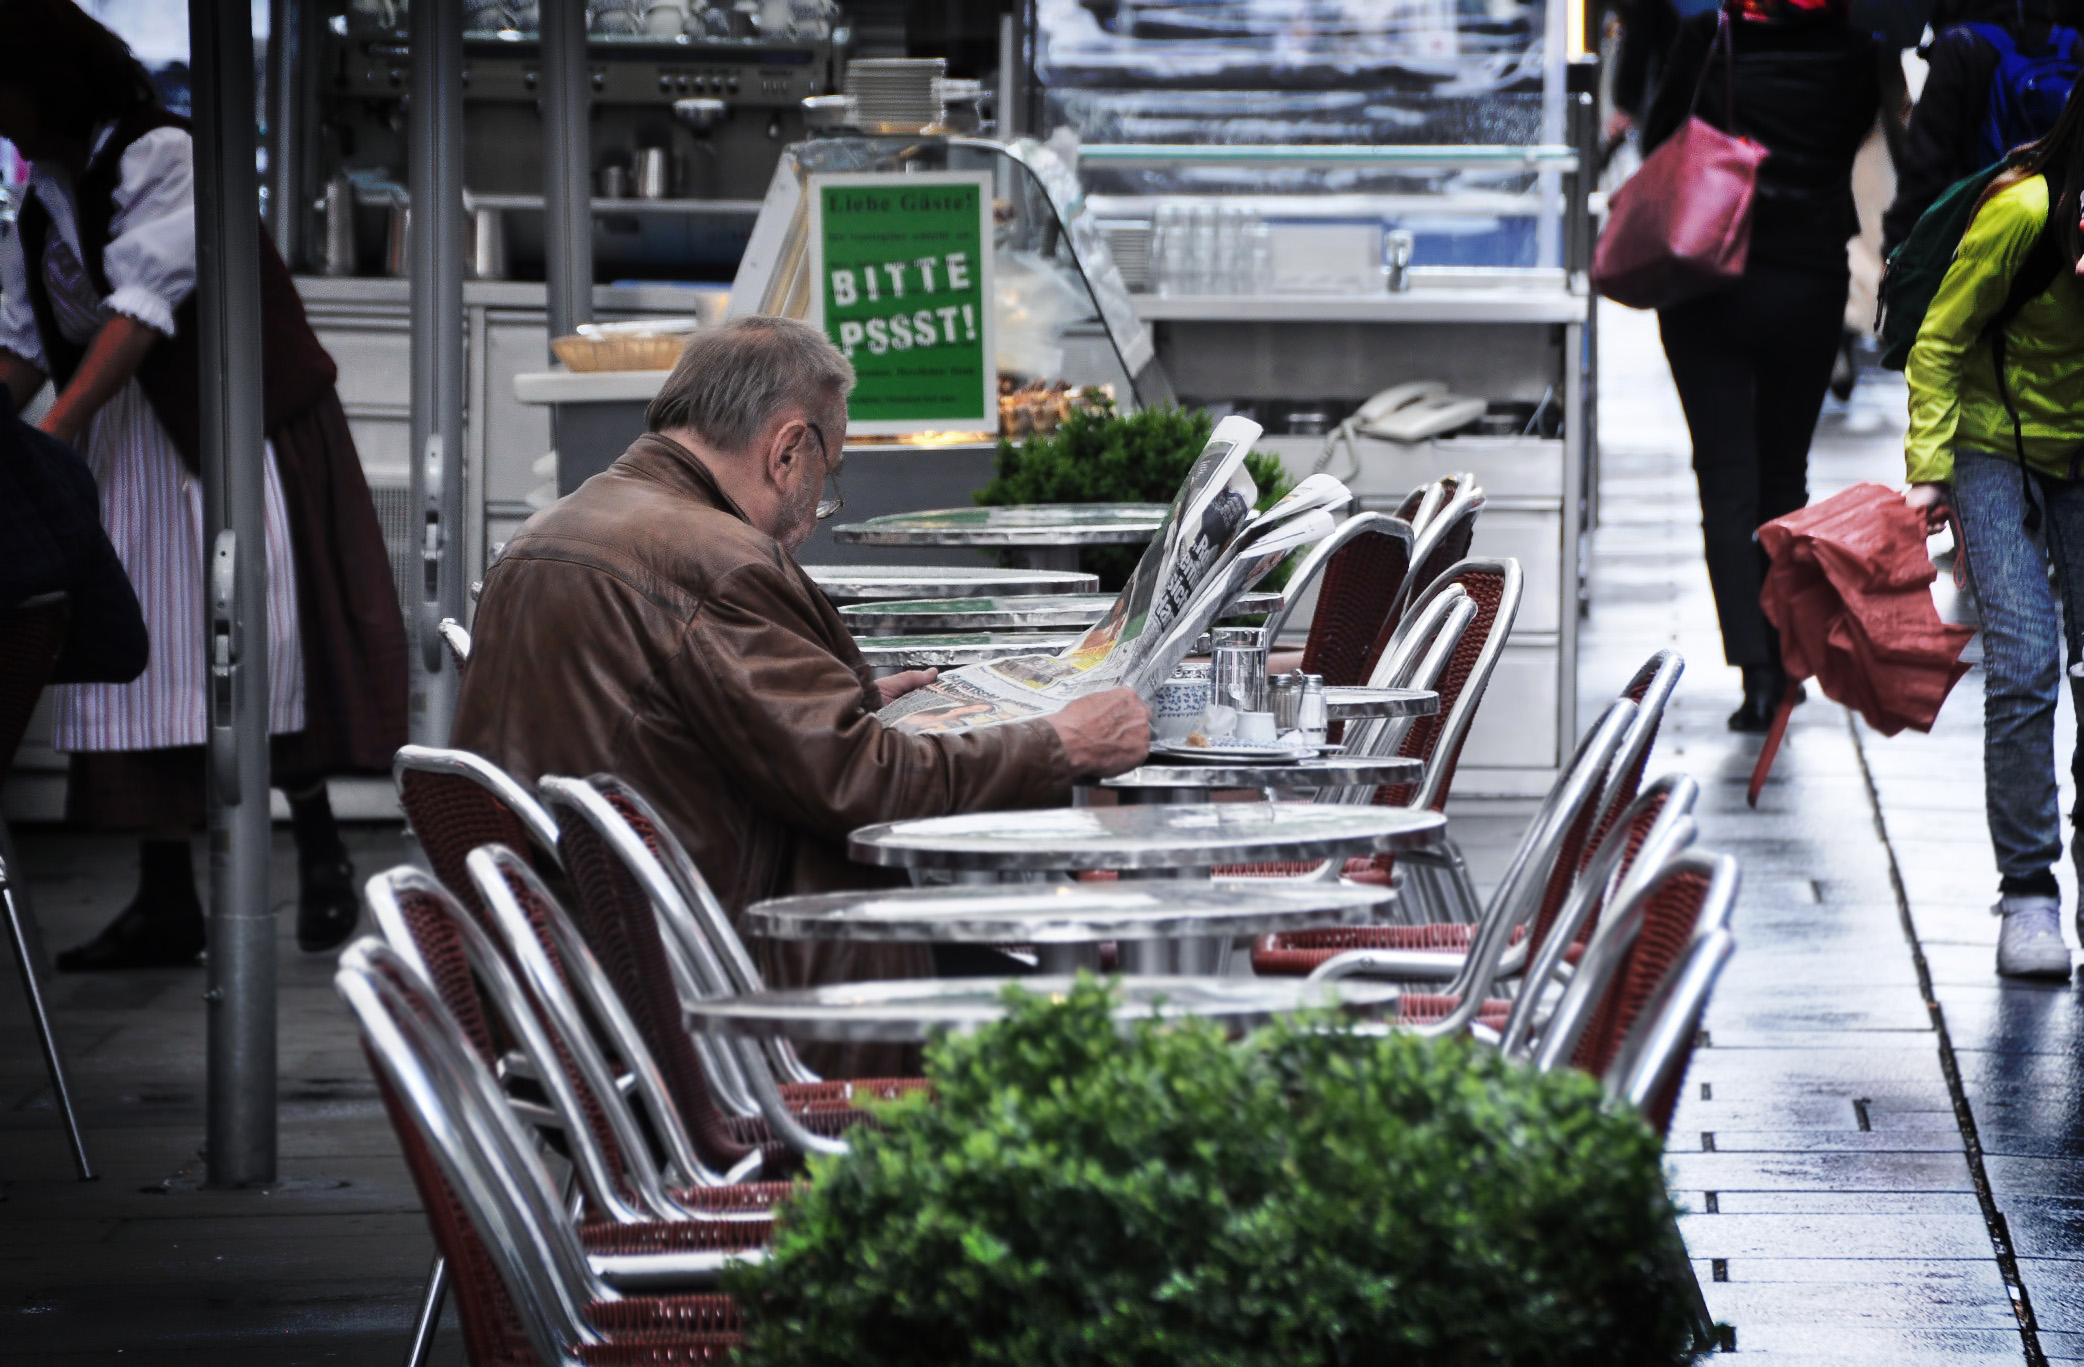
pixel 892 94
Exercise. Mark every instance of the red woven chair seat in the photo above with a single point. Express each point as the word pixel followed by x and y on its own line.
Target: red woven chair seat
pixel 1424 1008
pixel 675 1236
pixel 662 1329
pixel 1298 953
pixel 689 1349
pixel 846 1091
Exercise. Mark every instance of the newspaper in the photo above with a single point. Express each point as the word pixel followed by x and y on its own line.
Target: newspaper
pixel 1209 548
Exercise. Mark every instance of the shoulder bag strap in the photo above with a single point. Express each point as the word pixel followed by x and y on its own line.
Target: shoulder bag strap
pixel 1725 44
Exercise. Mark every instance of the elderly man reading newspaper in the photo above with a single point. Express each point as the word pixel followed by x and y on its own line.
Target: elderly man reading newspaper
pixel 654 625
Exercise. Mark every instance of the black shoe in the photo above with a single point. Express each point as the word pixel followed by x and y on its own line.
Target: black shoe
pixel 327 906
pixel 1845 371
pixel 1764 686
pixel 144 936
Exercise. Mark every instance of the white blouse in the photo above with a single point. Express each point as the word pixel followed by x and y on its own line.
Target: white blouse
pixel 150 260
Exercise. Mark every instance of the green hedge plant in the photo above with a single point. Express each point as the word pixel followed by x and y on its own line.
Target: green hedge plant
pixel 1101 455
pixel 1076 1194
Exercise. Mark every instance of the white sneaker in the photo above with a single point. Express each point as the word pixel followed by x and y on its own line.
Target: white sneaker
pixel 2030 944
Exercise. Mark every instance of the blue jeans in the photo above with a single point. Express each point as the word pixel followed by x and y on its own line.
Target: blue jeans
pixel 2026 642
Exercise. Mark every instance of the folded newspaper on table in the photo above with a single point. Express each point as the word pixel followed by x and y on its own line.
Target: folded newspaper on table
pixel 1210 548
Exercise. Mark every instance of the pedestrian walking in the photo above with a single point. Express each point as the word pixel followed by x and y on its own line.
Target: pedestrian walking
pixel 1996 435
pixel 1751 361
pixel 97 289
pixel 1997 73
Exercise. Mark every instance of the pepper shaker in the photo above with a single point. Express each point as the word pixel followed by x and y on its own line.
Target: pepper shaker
pixel 1284 696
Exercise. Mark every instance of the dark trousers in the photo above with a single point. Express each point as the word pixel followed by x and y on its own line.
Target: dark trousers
pixel 1752 363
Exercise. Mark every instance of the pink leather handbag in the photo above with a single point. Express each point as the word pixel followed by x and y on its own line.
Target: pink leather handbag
pixel 1681 226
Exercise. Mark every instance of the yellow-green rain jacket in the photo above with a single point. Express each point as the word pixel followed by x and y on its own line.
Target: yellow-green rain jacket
pixel 1952 368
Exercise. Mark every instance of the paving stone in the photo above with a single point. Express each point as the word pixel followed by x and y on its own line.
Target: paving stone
pixel 1821 1236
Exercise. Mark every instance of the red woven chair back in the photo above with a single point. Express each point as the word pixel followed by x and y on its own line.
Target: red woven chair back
pixel 615 915
pixel 1658 674
pixel 1486 588
pixel 1638 832
pixel 440 947
pixel 492 1332
pixel 453 815
pixel 1669 919
pixel 1352 623
pixel 31 638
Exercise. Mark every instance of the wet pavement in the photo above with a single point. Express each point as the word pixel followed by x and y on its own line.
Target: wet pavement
pixel 1878 1141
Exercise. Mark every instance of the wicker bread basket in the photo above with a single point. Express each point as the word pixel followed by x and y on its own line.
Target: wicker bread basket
pixel 649 344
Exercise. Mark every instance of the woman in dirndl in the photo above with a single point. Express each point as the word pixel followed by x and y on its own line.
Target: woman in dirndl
pixel 97 291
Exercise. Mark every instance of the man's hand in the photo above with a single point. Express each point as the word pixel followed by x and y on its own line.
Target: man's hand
pixel 897 685
pixel 1105 733
pixel 1934 501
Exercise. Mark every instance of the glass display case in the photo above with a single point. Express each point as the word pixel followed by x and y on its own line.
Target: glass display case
pixel 1063 310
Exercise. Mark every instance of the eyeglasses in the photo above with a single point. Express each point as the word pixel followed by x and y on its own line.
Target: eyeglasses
pixel 833 500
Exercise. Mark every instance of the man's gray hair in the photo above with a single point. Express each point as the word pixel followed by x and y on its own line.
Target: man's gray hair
pixel 735 379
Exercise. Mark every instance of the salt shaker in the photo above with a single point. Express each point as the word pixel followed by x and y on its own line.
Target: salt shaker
pixel 1311 716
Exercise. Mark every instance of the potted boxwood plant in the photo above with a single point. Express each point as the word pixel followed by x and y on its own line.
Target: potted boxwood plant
pixel 1075 1194
pixel 1098 454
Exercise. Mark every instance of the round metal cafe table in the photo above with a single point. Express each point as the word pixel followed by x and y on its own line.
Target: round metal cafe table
pixel 1033 612
pixel 1066 922
pixel 1167 781
pixel 1037 535
pixel 914 1009
pixel 967 648
pixel 1182 841
pixel 855 583
pixel 1358 704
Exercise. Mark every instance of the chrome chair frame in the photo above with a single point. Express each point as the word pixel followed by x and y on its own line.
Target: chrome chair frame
pixel 1313 565
pixel 429 759
pixel 1604 883
pixel 503 994
pixel 1616 938
pixel 1460 500
pixel 1435 879
pixel 698 969
pixel 559 986
pixel 1659 678
pixel 1660 1040
pixel 1519 893
pixel 456 1106
pixel 697 972
pixel 456 637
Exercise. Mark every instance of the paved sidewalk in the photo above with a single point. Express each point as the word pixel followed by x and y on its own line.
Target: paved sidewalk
pixel 1877 1174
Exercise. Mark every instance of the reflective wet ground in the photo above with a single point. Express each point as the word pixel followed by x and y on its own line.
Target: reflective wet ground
pixel 1878 1174
pixel 1879 1138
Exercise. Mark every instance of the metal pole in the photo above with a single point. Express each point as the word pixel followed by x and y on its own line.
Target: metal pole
pixel 241 993
pixel 285 111
pixel 435 134
pixel 567 166
pixel 1006 105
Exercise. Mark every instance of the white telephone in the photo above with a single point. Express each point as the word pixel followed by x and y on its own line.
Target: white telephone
pixel 1409 412
pixel 1415 411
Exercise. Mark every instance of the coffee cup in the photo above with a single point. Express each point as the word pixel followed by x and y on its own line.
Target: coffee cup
pixel 1256 728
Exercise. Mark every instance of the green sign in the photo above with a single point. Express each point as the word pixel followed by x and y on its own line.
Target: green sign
pixel 902 265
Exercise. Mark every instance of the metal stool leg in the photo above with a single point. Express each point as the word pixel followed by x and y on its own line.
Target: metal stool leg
pixel 430 1313
pixel 19 932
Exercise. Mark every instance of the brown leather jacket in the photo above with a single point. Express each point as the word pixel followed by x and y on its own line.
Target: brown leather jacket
pixel 642 627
